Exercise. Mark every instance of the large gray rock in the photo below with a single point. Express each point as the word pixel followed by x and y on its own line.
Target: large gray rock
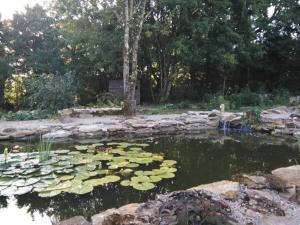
pixel 291 175
pixel 228 189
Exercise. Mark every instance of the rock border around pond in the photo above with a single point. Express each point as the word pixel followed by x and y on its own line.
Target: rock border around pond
pixel 258 199
pixel 88 123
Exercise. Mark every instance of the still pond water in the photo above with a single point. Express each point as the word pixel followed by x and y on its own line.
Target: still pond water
pixel 201 159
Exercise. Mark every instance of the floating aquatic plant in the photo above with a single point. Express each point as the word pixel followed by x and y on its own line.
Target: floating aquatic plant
pixel 81 170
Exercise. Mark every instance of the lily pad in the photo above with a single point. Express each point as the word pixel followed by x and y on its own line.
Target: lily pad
pixel 80 189
pixel 111 179
pixel 81 147
pixel 169 163
pixel 49 194
pixel 126 183
pixel 66 177
pixel 143 186
pixel 94 182
pixel 23 190
pixel 10 191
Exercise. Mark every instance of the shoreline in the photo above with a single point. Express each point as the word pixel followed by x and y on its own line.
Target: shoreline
pixel 281 120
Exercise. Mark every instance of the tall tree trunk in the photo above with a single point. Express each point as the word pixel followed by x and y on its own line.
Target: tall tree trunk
pixel 127 103
pixel 130 80
pixel 2 94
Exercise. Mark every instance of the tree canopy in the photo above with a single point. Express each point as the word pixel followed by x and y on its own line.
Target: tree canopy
pixel 188 48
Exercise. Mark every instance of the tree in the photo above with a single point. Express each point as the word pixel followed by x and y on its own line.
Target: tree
pixel 5 68
pixel 134 17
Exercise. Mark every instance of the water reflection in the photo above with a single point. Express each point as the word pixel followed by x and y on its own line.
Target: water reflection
pixel 201 159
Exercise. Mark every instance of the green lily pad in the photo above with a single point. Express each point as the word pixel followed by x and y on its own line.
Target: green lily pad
pixel 155 179
pixel 167 175
pixel 132 165
pixel 126 183
pixel 81 147
pixel 10 191
pixel 143 186
pixel 61 151
pixel 80 189
pixel 94 182
pixel 6 181
pixel 140 179
pixel 23 190
pixel 66 177
pixel 49 194
pixel 101 172
pixel 102 157
pixel 126 171
pixel 169 163
pixel 111 179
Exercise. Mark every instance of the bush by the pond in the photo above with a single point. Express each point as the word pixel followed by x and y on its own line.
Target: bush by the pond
pixel 27 115
pixel 52 91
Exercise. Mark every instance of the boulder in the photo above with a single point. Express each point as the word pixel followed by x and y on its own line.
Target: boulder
pixel 77 220
pixel 228 189
pixel 113 217
pixel 260 180
pixel 290 175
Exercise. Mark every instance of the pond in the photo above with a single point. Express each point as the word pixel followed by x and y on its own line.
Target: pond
pixel 202 158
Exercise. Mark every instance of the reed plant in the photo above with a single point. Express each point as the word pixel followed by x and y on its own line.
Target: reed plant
pixel 44 148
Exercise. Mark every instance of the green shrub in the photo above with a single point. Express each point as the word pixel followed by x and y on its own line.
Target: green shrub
pixel 52 92
pixel 214 102
pixel 281 97
pixel 244 98
pixel 27 115
pixel 252 117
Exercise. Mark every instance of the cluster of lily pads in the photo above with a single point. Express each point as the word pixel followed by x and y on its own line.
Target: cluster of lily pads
pixel 82 169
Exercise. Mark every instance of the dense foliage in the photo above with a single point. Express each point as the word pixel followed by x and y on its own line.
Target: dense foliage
pixel 189 49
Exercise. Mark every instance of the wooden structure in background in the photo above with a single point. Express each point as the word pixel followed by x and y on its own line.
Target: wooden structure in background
pixel 116 88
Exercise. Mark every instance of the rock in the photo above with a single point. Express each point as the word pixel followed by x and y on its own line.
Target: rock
pixel 295 100
pixel 279 220
pixel 58 134
pixel 291 175
pixel 88 112
pixel 296 134
pixel 112 217
pixel 9 130
pixel 229 190
pixel 260 180
pixel 77 220
pixel 90 128
pixel 4 138
pixel 23 133
pixel 282 120
pixel 214 113
pixel 129 209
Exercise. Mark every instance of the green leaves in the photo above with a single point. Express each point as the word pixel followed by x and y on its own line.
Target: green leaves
pixel 80 173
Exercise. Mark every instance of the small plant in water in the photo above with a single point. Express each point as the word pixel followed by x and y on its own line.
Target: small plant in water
pixel 44 148
pixel 5 155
